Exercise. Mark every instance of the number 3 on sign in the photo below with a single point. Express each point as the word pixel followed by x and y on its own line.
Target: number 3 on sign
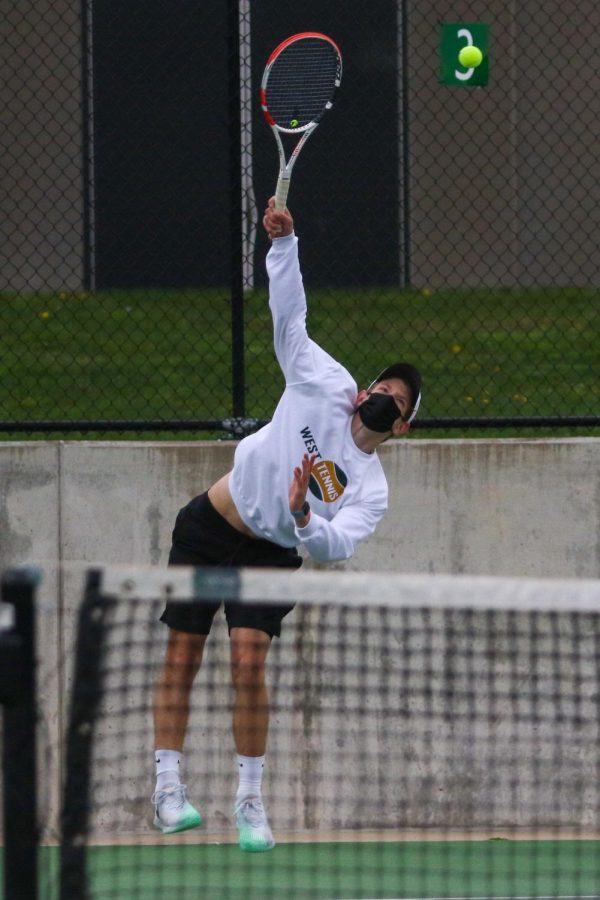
pixel 466 34
pixel 458 36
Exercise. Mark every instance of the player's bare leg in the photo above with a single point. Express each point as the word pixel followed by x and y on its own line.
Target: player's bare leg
pixel 173 811
pixel 249 649
pixel 183 658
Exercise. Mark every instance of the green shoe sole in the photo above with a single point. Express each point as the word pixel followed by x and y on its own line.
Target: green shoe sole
pixel 252 845
pixel 192 820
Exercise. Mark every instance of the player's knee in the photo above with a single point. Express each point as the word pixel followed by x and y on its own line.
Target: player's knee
pixel 184 655
pixel 247 671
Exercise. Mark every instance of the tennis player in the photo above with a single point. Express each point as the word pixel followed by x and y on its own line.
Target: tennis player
pixel 309 478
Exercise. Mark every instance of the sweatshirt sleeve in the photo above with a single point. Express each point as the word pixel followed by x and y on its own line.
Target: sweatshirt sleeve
pixel 337 540
pixel 299 357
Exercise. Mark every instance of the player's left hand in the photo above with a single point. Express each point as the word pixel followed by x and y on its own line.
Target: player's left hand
pixel 299 485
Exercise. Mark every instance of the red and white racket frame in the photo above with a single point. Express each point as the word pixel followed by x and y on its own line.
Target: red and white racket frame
pixel 285 168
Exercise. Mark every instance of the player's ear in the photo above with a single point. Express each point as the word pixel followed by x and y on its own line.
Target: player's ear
pixel 362 395
pixel 400 427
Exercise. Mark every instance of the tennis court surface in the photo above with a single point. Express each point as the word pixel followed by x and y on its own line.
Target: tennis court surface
pixel 352 871
pixel 430 737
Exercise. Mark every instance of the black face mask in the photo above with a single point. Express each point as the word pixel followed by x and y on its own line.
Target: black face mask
pixel 379 412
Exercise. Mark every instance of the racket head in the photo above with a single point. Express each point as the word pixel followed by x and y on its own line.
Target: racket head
pixel 301 78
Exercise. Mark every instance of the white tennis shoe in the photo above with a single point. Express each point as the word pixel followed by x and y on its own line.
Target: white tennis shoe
pixel 173 811
pixel 253 826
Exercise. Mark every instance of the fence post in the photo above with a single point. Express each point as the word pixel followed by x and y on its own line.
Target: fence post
pixel 17 695
pixel 404 145
pixel 235 212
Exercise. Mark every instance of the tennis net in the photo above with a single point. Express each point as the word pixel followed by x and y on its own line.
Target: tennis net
pixel 430 737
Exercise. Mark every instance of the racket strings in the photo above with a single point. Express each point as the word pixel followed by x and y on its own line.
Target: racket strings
pixel 302 82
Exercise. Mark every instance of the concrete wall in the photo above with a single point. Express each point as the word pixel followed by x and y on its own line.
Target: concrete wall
pixel 502 507
pixel 511 507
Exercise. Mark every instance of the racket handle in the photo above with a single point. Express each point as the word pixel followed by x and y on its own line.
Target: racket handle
pixel 283 186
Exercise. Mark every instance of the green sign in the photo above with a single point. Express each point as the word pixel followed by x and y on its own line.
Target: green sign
pixel 455 36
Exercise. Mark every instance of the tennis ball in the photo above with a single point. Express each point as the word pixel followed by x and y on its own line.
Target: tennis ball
pixel 470 57
pixel 294 123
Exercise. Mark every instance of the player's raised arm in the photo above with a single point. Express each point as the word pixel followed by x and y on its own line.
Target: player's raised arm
pixel 300 357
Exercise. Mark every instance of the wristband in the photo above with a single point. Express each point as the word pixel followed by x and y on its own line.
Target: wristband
pixel 300 513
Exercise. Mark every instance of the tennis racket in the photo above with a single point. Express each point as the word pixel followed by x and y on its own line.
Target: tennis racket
pixel 298 86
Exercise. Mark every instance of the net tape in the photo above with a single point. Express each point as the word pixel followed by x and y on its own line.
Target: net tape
pixel 353 588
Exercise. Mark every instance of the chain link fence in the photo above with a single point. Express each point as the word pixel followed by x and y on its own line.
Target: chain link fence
pixel 447 216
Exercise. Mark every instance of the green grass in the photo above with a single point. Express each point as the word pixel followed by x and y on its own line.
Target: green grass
pixel 167 354
pixel 331 871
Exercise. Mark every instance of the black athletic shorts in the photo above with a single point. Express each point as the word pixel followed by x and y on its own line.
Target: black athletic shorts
pixel 202 537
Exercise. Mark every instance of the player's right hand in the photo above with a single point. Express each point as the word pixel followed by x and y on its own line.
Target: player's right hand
pixel 277 222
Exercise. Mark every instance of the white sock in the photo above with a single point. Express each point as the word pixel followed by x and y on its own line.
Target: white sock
pixel 168 763
pixel 250 770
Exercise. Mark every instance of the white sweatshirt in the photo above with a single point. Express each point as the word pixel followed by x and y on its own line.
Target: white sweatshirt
pixel 348 491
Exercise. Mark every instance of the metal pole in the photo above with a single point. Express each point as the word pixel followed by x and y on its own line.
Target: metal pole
pixel 249 209
pixel 235 212
pixel 88 146
pixel 405 262
pixel 17 648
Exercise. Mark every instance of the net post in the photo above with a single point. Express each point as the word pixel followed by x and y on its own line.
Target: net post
pixel 18 698
pixel 85 700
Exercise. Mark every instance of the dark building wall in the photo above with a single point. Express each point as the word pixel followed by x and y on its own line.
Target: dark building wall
pixel 161 144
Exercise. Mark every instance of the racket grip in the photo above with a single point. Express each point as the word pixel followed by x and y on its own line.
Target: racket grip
pixel 283 186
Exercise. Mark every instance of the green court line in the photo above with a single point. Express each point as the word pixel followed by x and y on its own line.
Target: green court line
pixel 348 871
pixel 419 870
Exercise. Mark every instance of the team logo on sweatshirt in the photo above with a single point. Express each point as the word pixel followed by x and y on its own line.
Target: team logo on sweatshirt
pixel 327 480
